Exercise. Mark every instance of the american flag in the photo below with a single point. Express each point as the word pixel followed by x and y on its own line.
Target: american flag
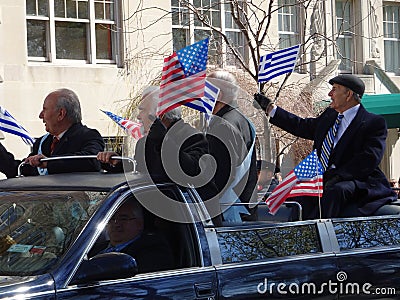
pixel 277 63
pixel 304 180
pixel 206 104
pixel 132 128
pixel 10 125
pixel 183 76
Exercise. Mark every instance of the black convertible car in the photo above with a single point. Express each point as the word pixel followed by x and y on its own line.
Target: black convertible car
pixel 48 225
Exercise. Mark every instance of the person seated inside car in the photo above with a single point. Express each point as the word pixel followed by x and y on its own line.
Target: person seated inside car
pixel 127 234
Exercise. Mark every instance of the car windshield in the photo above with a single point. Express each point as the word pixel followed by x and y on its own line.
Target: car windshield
pixel 36 228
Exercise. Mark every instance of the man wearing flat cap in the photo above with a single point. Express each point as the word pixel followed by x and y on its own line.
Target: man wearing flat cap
pixel 350 143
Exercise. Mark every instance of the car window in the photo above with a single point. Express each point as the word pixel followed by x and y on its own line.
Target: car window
pixel 262 243
pixel 367 233
pixel 36 228
pixel 162 244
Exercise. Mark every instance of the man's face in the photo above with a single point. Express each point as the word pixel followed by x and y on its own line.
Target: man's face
pixel 125 225
pixel 147 112
pixel 50 114
pixel 340 96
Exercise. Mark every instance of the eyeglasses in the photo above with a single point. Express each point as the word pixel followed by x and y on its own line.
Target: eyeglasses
pixel 120 220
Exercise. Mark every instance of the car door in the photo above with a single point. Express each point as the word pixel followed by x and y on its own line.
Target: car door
pixel 291 260
pixel 190 283
pixel 368 257
pixel 192 277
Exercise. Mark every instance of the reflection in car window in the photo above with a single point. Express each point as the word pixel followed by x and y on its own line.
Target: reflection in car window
pixel 256 244
pixel 36 228
pixel 9 215
pixel 367 233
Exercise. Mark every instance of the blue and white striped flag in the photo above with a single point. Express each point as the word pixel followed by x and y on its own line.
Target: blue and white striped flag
pixel 277 63
pixel 206 104
pixel 10 125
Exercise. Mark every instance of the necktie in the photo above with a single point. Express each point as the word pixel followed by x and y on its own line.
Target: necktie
pixel 53 144
pixel 328 142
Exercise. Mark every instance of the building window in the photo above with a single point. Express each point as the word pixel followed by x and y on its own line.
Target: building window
pixel 288 20
pixel 76 30
pixel 188 29
pixel 391 31
pixel 344 39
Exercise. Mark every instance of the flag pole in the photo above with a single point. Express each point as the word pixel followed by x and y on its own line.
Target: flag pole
pixel 319 188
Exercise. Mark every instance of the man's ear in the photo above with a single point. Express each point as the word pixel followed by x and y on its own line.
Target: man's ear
pixel 61 114
pixel 349 94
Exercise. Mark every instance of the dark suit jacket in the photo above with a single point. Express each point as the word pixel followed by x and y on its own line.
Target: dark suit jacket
pixel 230 139
pixel 77 140
pixel 151 252
pixel 182 147
pixel 356 156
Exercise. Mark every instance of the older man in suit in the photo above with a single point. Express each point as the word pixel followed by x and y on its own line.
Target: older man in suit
pixel 66 135
pixel 127 234
pixel 353 183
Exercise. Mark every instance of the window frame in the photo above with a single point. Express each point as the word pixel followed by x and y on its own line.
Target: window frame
pixel 346 66
pixel 193 33
pixel 294 27
pixel 50 20
pixel 394 39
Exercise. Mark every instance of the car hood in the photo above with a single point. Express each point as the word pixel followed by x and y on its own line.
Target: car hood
pixel 13 280
pixel 12 286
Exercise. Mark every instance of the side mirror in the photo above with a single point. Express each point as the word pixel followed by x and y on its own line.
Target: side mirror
pixel 106 266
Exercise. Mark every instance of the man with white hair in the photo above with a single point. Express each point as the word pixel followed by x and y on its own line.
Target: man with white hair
pixel 231 139
pixel 67 136
pixel 190 143
pixel 171 149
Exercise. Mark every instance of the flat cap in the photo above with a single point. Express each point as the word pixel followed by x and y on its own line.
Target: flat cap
pixel 350 81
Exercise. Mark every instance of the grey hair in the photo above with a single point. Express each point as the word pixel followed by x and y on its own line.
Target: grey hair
pixel 152 90
pixel 68 100
pixel 152 93
pixel 227 84
pixel 173 114
pixel 355 95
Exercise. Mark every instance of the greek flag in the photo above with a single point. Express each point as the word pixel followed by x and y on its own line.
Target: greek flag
pixel 277 63
pixel 206 104
pixel 10 125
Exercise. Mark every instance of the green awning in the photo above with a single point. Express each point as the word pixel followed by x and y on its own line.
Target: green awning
pixel 387 105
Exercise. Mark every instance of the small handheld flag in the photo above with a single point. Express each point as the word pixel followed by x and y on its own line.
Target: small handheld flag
pixel 277 63
pixel 304 180
pixel 10 125
pixel 132 128
pixel 183 76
